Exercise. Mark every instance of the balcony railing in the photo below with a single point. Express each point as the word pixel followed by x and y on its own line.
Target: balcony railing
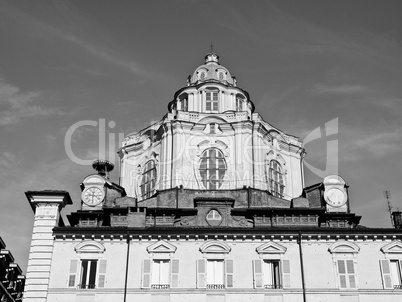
pixel 398 286
pixel 160 286
pixel 215 286
pixel 272 286
pixel 86 286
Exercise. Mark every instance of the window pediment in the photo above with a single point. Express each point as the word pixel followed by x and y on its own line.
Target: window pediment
pixel 393 247
pixel 343 247
pixel 215 247
pixel 89 247
pixel 271 248
pixel 161 247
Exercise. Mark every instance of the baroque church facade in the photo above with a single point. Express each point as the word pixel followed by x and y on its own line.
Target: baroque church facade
pixel 210 206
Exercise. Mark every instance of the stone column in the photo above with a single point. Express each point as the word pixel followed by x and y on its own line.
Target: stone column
pixel 46 206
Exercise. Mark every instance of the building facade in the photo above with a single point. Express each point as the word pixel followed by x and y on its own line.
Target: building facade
pixel 210 206
pixel 11 279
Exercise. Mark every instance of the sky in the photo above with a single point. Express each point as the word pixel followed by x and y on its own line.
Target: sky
pixel 306 64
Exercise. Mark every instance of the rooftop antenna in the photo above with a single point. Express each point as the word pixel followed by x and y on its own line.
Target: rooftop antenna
pixel 387 195
pixel 212 47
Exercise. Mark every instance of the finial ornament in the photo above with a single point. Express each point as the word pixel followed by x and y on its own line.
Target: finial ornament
pixel 212 47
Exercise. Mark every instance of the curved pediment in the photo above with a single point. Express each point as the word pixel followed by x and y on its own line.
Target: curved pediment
pixel 212 119
pixel 271 248
pixel 89 246
pixel 215 247
pixel 161 247
pixel 393 247
pixel 344 247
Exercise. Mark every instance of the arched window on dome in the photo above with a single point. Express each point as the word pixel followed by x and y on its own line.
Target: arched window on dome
pixel 184 102
pixel 276 182
pixel 212 168
pixel 148 180
pixel 211 100
pixel 239 102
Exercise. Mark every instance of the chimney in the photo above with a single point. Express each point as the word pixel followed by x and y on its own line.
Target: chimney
pixel 103 167
pixel 397 219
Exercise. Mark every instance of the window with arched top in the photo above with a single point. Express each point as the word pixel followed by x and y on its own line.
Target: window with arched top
pixel 184 102
pixel 276 181
pixel 148 180
pixel 212 168
pixel 239 103
pixel 215 270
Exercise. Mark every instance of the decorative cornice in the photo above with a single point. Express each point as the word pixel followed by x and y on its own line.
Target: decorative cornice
pixel 344 247
pixel 215 247
pixel 89 246
pixel 161 246
pixel 271 248
pixel 393 247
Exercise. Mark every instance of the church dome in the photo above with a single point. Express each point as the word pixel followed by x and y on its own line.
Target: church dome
pixel 212 70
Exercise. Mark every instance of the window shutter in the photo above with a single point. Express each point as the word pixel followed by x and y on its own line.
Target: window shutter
pixel 102 273
pixel 351 273
pixel 386 274
pixel 146 273
pixel 286 273
pixel 201 273
pixel 72 276
pixel 174 275
pixel 257 268
pixel 342 273
pixel 229 272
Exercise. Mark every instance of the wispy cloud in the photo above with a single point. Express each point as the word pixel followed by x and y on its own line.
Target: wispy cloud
pixel 293 35
pixel 340 89
pixel 16 104
pixel 375 144
pixel 68 27
pixel 369 96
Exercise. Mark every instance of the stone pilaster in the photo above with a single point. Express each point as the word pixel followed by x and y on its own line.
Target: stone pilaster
pixel 46 206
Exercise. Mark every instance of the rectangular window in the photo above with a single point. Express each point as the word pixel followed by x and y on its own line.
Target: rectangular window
pixel 88 274
pixel 346 274
pixel 212 128
pixel 395 269
pixel 160 274
pixel 271 274
pixel 215 274
pixel 211 103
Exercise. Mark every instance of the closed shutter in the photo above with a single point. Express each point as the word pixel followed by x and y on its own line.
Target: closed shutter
pixel 229 272
pixel 72 276
pixel 146 273
pixel 342 273
pixel 386 274
pixel 174 275
pixel 286 273
pixel 102 273
pixel 351 274
pixel 257 269
pixel 201 273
